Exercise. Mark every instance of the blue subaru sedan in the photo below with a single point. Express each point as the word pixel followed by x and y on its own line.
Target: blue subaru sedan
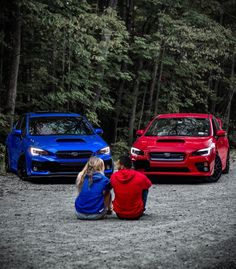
pixel 54 144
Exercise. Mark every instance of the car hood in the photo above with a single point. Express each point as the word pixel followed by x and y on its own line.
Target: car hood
pixel 173 143
pixel 55 143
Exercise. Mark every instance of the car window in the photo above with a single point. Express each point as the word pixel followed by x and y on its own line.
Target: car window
pixel 179 127
pixel 216 125
pixel 18 124
pixel 59 126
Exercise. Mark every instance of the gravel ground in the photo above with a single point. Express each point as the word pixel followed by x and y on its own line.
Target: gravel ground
pixel 189 224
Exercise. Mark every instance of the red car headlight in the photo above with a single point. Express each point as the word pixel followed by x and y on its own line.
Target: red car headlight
pixel 204 152
pixel 136 151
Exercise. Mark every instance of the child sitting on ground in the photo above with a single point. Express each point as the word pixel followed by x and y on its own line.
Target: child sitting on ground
pixel 131 190
pixel 94 199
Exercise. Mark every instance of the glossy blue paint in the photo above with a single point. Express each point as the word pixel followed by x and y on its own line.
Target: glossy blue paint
pixel 60 154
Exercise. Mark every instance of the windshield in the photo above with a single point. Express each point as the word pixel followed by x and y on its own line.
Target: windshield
pixel 179 127
pixel 59 126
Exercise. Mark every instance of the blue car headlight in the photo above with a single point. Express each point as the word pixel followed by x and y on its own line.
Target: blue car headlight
pixel 38 152
pixel 105 151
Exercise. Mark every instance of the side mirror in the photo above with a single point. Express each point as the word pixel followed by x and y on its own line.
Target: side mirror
pixel 221 133
pixel 17 132
pixel 140 132
pixel 98 131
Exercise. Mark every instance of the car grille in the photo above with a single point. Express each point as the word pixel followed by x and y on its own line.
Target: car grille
pixel 55 167
pixel 146 166
pixel 167 156
pixel 169 169
pixel 74 154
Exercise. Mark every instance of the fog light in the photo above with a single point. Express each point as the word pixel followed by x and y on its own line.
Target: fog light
pixel 35 168
pixel 203 167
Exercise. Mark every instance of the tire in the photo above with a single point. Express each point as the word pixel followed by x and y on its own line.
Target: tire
pixel 21 170
pixel 226 170
pixel 217 171
pixel 7 166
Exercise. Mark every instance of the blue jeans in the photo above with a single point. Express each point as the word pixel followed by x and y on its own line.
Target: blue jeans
pixel 98 216
pixel 145 195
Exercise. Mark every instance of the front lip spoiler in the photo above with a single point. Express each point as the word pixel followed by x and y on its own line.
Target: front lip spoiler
pixel 51 176
pixel 61 175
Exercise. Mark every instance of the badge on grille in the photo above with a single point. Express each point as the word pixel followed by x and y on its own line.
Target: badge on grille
pixel 75 154
pixel 167 154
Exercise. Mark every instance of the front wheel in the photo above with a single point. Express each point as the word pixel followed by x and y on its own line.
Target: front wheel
pixel 217 171
pixel 21 171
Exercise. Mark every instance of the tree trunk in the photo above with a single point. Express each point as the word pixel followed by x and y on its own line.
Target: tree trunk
pixel 106 37
pixel 231 94
pixel 63 58
pixel 11 102
pixel 135 101
pixel 215 95
pixel 130 15
pixel 142 108
pixel 1 49
pixel 152 86
pixel 162 52
pixel 123 12
pixel 117 110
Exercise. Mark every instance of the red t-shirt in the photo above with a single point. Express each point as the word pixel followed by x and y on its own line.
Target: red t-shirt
pixel 128 187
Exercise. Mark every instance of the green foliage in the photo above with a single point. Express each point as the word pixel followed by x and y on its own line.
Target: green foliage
pixel 78 58
pixel 119 148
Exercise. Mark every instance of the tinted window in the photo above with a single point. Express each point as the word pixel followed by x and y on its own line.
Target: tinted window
pixel 59 126
pixel 216 125
pixel 18 124
pixel 179 127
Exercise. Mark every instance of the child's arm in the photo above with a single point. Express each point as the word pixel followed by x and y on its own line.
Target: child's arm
pixel 78 181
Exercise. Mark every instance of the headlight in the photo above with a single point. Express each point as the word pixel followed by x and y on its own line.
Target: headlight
pixel 204 152
pixel 136 151
pixel 105 150
pixel 38 152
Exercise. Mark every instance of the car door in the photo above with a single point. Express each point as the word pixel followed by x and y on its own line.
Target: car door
pixel 221 142
pixel 16 142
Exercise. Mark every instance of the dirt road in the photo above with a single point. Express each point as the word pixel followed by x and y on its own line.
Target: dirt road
pixel 188 225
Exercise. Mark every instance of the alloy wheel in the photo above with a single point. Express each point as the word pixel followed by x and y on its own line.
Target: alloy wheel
pixel 21 171
pixel 217 170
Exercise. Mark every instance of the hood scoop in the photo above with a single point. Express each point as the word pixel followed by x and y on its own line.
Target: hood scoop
pixel 70 140
pixel 170 141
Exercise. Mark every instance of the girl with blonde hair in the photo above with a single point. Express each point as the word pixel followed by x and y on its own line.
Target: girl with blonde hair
pixel 94 198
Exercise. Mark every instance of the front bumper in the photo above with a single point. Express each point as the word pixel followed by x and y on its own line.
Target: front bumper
pixel 191 166
pixel 51 167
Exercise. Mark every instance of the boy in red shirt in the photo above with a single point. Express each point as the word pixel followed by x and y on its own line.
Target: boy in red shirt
pixel 131 189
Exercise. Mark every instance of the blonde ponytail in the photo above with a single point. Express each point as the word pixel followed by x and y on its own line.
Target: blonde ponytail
pixel 93 165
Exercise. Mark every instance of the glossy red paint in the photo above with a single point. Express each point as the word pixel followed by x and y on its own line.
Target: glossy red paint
pixel 183 144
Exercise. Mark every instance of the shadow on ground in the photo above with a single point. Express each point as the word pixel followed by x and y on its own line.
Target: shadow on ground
pixel 177 180
pixel 52 181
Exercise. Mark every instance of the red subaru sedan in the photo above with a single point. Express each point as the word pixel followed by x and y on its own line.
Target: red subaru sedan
pixel 184 145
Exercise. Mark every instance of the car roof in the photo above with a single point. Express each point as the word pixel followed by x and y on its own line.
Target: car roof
pixel 185 115
pixel 53 114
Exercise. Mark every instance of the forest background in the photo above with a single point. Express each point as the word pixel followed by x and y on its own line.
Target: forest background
pixel 118 62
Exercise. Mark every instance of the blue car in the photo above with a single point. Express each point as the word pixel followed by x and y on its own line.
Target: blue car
pixel 54 144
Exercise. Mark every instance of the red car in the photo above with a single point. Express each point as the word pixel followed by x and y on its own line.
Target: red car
pixel 184 145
